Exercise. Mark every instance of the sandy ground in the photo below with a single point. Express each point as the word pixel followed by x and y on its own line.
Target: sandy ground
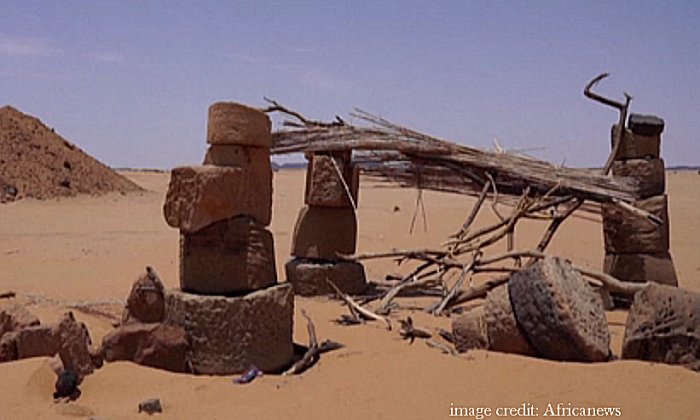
pixel 58 253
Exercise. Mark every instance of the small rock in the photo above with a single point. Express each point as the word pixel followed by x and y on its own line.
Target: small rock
pixel 146 302
pixel 74 345
pixel 67 385
pixel 150 406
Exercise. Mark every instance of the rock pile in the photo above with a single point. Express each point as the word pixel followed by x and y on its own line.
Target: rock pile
pixel 38 163
pixel 327 226
pixel 545 310
pixel 635 249
pixel 229 303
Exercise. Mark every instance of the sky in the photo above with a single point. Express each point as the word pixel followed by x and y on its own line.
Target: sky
pixel 130 81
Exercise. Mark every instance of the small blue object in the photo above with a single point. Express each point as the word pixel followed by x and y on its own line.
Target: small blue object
pixel 249 375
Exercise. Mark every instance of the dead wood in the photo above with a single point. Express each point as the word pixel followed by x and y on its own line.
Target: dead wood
pixel 410 332
pixel 313 353
pixel 356 309
pixel 442 347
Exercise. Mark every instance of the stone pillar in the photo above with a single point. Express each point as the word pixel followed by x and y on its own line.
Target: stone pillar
pixel 327 226
pixel 229 301
pixel 635 249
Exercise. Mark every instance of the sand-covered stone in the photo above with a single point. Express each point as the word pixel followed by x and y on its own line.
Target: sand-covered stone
pixel 328 181
pixel 650 174
pixel 646 125
pixel 156 345
pixel 74 345
pixel 640 268
pixel 637 146
pixel 561 316
pixel 228 334
pixel 235 155
pixel 201 195
pixel 233 123
pixel 229 256
pixel 35 341
pixel 309 277
pixel 502 329
pixel 15 317
pixel 469 331
pixel 146 301
pixel 627 233
pixel 663 325
pixel 323 232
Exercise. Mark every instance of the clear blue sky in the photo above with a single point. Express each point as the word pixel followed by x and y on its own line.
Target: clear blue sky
pixel 130 81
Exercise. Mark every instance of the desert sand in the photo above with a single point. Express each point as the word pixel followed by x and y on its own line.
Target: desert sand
pixel 57 253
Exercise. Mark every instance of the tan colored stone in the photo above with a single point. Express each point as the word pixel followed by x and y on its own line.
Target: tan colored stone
pixel 650 174
pixel 228 334
pixel 663 325
pixel 156 345
pixel 309 277
pixel 501 327
pixel 15 317
pixel 74 345
pixel 229 256
pixel 201 195
pixel 323 232
pixel 561 316
pixel 637 146
pixel 469 331
pixel 232 123
pixel 326 181
pixel 626 233
pixel 235 155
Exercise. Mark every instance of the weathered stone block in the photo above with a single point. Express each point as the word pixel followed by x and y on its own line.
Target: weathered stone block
pixel 626 233
pixel 323 232
pixel 146 301
pixel 15 317
pixel 637 146
pixel 649 173
pixel 646 125
pixel 74 345
pixel 232 123
pixel 257 158
pixel 469 331
pixel 309 277
pixel 561 316
pixel 201 195
pixel 501 327
pixel 663 325
pixel 156 345
pixel 229 256
pixel 35 341
pixel 640 268
pixel 228 334
pixel 326 181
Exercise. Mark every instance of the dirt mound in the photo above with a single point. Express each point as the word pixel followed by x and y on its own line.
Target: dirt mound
pixel 36 162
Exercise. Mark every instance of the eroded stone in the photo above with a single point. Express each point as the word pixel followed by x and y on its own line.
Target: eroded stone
pixel 309 278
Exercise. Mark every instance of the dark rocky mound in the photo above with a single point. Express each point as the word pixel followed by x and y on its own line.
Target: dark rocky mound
pixel 38 163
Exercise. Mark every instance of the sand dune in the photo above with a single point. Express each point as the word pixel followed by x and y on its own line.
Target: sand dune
pixel 61 252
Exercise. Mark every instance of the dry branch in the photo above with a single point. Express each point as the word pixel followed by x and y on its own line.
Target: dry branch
pixel 354 306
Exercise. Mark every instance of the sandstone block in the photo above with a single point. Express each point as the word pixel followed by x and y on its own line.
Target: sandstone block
pixel 232 123
pixel 74 345
pixel 156 345
pixel 35 341
pixel 639 268
pixel 201 195
pixel 326 181
pixel 229 256
pixel 646 125
pixel 469 331
pixel 257 158
pixel 637 146
pixel 501 327
pixel 649 173
pixel 146 302
pixel 15 317
pixel 626 233
pixel 309 277
pixel 561 316
pixel 228 334
pixel 323 232
pixel 663 325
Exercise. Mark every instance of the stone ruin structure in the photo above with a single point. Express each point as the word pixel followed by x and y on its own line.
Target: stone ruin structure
pixel 327 226
pixel 635 249
pixel 229 302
